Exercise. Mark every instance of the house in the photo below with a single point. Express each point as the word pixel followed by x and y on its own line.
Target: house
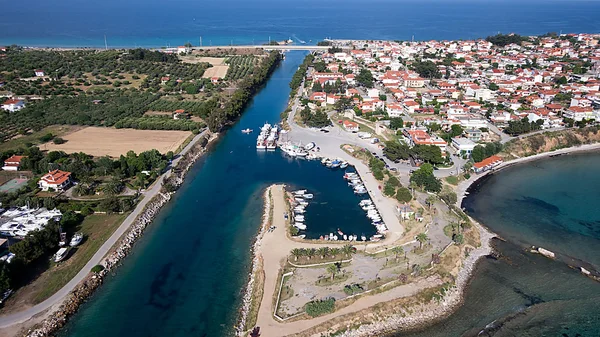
pixel 12 163
pixel 373 93
pixel 463 145
pixel 405 212
pixel 180 114
pixel 56 180
pixel 420 137
pixel 487 164
pixel 351 126
pixel 13 105
pixel 473 135
pixel 183 49
pixel 39 73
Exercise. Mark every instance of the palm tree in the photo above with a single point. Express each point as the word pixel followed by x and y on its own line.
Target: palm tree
pixel 310 253
pixel 398 250
pixel 323 251
pixel 296 252
pixel 422 237
pixel 334 251
pixel 332 269
pixel 348 249
pixel 430 200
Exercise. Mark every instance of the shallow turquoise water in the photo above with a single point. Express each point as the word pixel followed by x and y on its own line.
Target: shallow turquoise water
pixel 186 273
pixel 550 203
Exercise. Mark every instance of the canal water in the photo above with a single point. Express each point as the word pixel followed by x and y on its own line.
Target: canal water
pixel 185 276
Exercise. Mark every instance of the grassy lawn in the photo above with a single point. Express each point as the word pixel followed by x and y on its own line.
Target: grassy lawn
pixel 97 229
pixel 452 180
pixel 33 137
pixel 339 278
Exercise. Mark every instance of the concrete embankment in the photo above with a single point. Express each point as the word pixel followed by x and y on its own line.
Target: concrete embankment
pixel 85 288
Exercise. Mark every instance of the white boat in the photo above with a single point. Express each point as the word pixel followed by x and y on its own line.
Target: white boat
pixel 60 255
pixel 76 240
pixel 308 196
pixel 345 237
pixel 335 163
pixel 299 192
pixel 324 161
pixel 302 203
pixel 365 202
pixel 309 146
pixel 363 238
pixel 300 226
pixel 247 131
pixel 301 236
pixel 299 218
pixel 343 165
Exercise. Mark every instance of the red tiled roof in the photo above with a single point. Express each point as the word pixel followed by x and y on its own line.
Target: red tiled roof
pixel 487 161
pixel 13 161
pixel 56 177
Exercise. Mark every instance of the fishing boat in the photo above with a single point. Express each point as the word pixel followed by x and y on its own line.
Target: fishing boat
pixel 299 192
pixel 246 131
pixel 345 237
pixel 299 210
pixel 335 163
pixel 340 232
pixel 363 238
pixel 76 240
pixel 301 236
pixel 344 164
pixel 308 196
pixel 299 218
pixel 60 255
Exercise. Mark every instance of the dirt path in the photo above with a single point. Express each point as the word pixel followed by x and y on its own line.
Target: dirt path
pixel 274 249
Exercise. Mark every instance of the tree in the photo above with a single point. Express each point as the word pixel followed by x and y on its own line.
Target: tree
pixel 396 123
pixel 428 153
pixel 395 150
pixel 393 181
pixel 323 251
pixel 561 80
pixel 388 189
pixel 426 69
pixel 493 86
pixel 310 253
pixel 334 251
pixel 348 250
pixel 422 238
pixel 456 130
pixel 430 200
pixel 398 250
pixel 332 269
pixel 317 87
pixel 365 78
pixel 296 253
pixel 403 195
pixel 423 177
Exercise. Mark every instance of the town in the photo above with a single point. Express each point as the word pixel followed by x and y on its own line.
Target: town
pixel 468 98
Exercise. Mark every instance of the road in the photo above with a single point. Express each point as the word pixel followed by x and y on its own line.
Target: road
pixel 57 299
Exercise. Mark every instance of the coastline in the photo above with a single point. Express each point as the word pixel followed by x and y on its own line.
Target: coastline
pixel 68 306
pixel 463 187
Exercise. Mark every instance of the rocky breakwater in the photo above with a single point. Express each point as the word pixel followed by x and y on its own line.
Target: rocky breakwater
pixel 248 292
pixel 170 182
pixel 432 311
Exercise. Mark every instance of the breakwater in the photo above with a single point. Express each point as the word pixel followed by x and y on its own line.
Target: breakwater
pixel 249 291
pixel 170 182
pixel 433 311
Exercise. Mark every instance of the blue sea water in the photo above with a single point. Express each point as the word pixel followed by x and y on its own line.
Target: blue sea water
pixel 153 23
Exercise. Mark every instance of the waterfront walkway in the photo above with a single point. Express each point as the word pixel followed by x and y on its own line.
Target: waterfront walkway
pixel 54 301
pixel 274 249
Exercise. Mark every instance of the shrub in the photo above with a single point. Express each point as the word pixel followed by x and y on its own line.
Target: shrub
pixel 59 140
pixel 388 189
pixel 97 268
pixel 46 138
pixel 378 174
pixel 320 307
pixel 86 210
pixel 394 181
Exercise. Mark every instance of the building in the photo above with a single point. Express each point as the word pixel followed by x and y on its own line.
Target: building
pixel 56 180
pixel 473 134
pixel 463 145
pixel 13 105
pixel 405 212
pixel 12 163
pixel 183 49
pixel 420 137
pixel 39 73
pixel 487 164
pixel 351 126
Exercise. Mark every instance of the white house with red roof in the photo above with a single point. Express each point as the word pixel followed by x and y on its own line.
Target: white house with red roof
pixel 351 126
pixel 12 163
pixel 13 105
pixel 420 137
pixel 56 180
pixel 39 73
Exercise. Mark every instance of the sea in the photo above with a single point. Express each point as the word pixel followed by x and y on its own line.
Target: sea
pixel 159 23
pixel 185 276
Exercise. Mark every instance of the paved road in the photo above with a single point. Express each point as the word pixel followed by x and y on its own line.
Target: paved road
pixel 56 299
pixel 267 47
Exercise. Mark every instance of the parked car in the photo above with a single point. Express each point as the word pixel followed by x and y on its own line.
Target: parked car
pixel 5 295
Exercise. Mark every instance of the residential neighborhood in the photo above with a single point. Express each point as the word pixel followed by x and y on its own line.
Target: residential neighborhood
pixel 455 95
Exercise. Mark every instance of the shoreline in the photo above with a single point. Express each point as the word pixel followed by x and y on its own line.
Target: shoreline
pixel 464 187
pixel 62 311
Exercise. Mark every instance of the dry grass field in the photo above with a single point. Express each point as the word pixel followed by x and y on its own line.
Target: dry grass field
pixel 216 71
pixel 99 141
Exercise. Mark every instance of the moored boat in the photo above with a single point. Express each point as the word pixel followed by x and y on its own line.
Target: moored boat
pixel 76 240
pixel 60 255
